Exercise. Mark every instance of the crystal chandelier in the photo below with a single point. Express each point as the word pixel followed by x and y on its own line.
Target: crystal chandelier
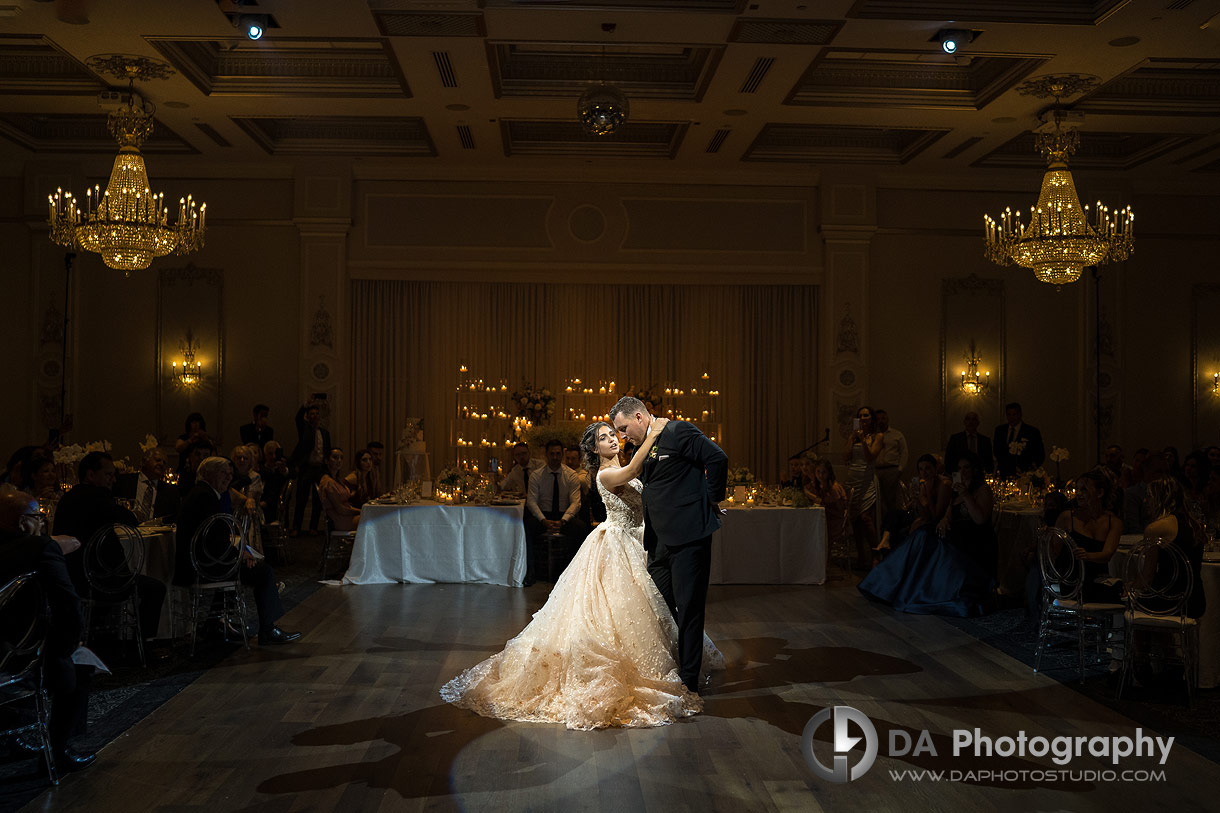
pixel 974 382
pixel 602 109
pixel 127 223
pixel 1060 238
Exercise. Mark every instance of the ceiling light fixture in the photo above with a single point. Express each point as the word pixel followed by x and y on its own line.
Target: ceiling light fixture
pixel 952 39
pixel 602 108
pixel 1061 238
pixel 252 25
pixel 127 224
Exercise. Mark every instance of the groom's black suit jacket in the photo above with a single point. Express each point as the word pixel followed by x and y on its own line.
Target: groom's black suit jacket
pixel 684 478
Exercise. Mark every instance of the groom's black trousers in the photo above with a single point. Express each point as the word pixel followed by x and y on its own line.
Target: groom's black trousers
pixel 681 574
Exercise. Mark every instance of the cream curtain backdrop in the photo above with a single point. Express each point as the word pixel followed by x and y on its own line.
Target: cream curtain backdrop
pixel 757 343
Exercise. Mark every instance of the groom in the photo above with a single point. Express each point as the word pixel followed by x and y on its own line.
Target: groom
pixel 684 478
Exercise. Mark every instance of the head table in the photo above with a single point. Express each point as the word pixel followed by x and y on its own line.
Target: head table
pixel 432 542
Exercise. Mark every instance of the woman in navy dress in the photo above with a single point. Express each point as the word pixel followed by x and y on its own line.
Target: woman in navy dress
pixel 948 569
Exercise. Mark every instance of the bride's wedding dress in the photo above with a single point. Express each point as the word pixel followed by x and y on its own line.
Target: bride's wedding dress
pixel 600 652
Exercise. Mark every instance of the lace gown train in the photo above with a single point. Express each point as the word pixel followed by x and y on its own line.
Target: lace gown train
pixel 600 652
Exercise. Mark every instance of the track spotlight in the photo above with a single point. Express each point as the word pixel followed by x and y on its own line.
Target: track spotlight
pixel 253 25
pixel 951 39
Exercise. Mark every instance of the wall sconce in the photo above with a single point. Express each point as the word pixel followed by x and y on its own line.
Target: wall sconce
pixel 191 371
pixel 1216 384
pixel 973 382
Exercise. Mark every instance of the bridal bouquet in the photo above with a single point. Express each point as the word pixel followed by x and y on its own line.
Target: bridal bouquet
pixel 535 403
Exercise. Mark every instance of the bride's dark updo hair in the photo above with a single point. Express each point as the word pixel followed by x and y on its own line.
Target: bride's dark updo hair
pixel 588 447
pixel 593 462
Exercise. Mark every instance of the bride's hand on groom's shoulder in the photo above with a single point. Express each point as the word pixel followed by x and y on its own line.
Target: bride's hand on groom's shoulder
pixel 659 423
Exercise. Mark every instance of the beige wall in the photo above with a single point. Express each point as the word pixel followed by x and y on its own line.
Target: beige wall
pixel 914 239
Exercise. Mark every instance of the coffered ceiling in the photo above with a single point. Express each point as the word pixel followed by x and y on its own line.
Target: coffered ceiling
pixel 720 90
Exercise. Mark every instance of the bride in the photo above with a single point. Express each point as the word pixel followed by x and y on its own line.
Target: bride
pixel 600 652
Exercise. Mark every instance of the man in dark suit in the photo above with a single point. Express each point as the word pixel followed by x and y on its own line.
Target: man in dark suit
pixel 969 441
pixel 147 489
pixel 684 482
pixel 209 496
pixel 24 549
pixel 1018 446
pixel 91 506
pixel 308 462
pixel 257 432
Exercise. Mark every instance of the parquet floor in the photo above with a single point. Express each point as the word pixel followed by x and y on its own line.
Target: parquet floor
pixel 349 719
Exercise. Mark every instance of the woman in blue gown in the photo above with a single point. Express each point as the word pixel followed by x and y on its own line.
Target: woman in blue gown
pixel 949 569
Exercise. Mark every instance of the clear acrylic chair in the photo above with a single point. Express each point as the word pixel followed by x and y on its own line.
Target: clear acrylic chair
pixel 21 657
pixel 216 556
pixel 1158 580
pixel 1064 611
pixel 113 559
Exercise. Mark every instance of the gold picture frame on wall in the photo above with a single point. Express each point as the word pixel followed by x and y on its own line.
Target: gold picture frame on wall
pixel 190 349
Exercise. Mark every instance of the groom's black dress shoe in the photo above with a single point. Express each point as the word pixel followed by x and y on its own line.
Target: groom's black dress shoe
pixel 277 636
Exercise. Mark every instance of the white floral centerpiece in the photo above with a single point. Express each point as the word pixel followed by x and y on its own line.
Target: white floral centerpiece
pixel 412 438
pixel 1058 455
pixel 535 403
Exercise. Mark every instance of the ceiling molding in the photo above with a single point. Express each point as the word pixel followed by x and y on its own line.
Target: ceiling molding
pixel 1038 12
pixel 1160 87
pixel 396 23
pixel 851 77
pixel 1098 150
pixel 287 66
pixel 823 143
pixel 635 139
pixel 711 6
pixel 398 136
pixel 775 31
pixel 32 64
pixel 84 133
pixel 642 71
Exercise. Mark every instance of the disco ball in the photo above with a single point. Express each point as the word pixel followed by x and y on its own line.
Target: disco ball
pixel 602 109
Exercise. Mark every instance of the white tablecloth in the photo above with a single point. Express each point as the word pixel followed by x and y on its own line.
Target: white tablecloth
pixel 770 546
pixel 1209 624
pixel 428 542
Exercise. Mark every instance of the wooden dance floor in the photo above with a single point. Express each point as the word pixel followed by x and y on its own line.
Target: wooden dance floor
pixel 350 719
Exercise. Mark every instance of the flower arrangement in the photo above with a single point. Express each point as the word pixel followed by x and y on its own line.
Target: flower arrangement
pixel 413 431
pixel 149 443
pixel 651 396
pixel 540 436
pixel 535 403
pixel 740 476
pixel 1017 447
pixel 795 497
pixel 1058 455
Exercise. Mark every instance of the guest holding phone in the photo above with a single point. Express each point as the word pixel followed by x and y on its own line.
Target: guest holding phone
pixel 864 444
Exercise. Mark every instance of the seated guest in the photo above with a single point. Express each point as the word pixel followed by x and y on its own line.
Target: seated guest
pixel 1193 477
pixel 1123 474
pixel 246 492
pixel 209 496
pixel 796 476
pixel 336 496
pixel 257 432
pixel 932 494
pixel 1175 526
pixel 42 483
pixel 196 431
pixel 91 506
pixel 571 460
pixel 822 489
pixel 196 452
pixel 147 489
pixel 1096 531
pixel 552 504
pixel 361 481
pixel 274 471
pixel 18 466
pixel 949 568
pixel 377 450
pixel 1213 456
pixel 1173 460
pixel 524 467
pixel 24 549
pixel 1136 512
